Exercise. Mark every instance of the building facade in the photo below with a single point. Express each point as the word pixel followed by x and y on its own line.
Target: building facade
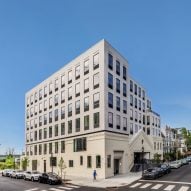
pixel 94 115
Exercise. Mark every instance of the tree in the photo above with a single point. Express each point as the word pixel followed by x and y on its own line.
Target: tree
pixel 157 158
pixel 24 163
pixel 62 166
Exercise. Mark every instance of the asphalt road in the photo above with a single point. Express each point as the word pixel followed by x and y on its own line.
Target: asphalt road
pixel 177 180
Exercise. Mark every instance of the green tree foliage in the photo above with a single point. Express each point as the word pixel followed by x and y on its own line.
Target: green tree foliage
pixel 62 166
pixel 157 158
pixel 187 136
pixel 24 163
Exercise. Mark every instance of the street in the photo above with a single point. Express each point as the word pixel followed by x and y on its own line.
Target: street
pixel 177 180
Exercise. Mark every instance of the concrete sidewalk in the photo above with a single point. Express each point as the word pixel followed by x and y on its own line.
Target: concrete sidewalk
pixel 116 181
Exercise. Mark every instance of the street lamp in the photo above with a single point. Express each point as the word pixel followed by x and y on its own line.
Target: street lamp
pixel 142 161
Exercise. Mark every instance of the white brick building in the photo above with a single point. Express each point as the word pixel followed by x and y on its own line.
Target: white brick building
pixel 93 114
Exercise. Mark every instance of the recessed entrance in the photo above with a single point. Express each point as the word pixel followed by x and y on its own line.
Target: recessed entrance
pixel 116 166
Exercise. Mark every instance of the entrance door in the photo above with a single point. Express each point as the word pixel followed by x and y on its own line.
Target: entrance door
pixel 116 166
pixel 44 165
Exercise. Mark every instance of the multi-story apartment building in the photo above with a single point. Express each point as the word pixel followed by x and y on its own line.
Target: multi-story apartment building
pixel 93 114
pixel 171 142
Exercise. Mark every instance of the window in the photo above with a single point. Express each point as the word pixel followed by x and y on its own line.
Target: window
pixel 40 94
pixel 110 119
pixel 125 124
pixel 40 134
pixel 96 80
pixel 40 121
pixel 35 122
pixel 139 92
pixel 110 100
pixel 118 67
pixel 45 149
pixel 86 122
pixel 110 80
pixel 136 115
pixel 45 133
pixel 98 161
pixel 89 161
pixel 69 110
pixel 53 161
pixel 32 111
pixel 56 100
pixel 118 121
pixel 118 103
pixel 69 77
pixel 62 146
pixel 108 161
pixel 77 72
pixel 50 132
pixel 70 93
pixel 124 106
pixel 56 85
pixel 96 100
pixel 70 127
pixel 50 88
pixel 62 128
pixel 80 144
pixel 117 85
pixel 86 67
pixel 40 108
pixel 50 148
pixel 56 115
pixel 56 130
pixel 110 61
pixel 77 89
pixel 131 128
pixel 131 100
pixel 96 120
pixel 78 107
pixel 78 125
pixel 143 94
pixel 124 73
pixel 86 85
pixel 31 99
pixel 71 163
pixel 35 150
pixel 139 104
pixel 45 119
pixel 81 160
pixel 62 81
pixel 50 102
pixel 56 147
pixel 62 112
pixel 135 89
pixel 62 96
pixel 143 107
pixel 86 104
pixel 131 114
pixel 35 97
pixel 124 90
pixel 131 86
pixel 96 61
pixel 50 117
pixel 135 102
pixel 136 128
pixel 45 105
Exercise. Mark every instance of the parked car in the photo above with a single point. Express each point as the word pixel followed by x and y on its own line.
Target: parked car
pixel 50 178
pixel 17 174
pixel 32 175
pixel 165 168
pixel 6 172
pixel 175 164
pixel 184 161
pixel 151 173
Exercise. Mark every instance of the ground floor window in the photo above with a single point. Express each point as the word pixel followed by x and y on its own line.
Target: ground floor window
pixel 81 160
pixel 34 164
pixel 53 161
pixel 98 161
pixel 108 161
pixel 71 163
pixel 89 161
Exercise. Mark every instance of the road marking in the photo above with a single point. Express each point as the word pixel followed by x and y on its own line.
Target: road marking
pixel 32 189
pixel 184 188
pixel 55 189
pixel 72 186
pixel 145 185
pixel 67 188
pixel 161 181
pixel 169 187
pixel 135 185
pixel 157 186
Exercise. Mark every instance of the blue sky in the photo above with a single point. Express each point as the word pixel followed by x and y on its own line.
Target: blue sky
pixel 38 37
